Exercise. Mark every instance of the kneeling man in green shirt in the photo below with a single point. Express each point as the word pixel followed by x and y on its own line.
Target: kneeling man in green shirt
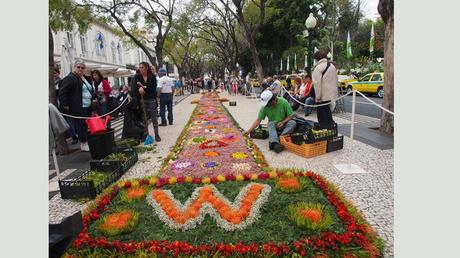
pixel 280 118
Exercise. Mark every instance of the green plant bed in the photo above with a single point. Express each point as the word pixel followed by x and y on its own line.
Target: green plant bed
pixel 273 225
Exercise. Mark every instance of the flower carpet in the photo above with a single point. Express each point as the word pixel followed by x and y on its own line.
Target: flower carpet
pixel 216 196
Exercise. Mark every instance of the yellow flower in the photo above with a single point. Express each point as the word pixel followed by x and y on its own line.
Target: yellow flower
pixel 206 180
pixel 289 173
pixel 153 180
pixel 188 179
pixel 273 174
pixel 134 183
pixel 239 177
pixel 172 180
pixel 254 177
pixel 121 184
pixel 220 178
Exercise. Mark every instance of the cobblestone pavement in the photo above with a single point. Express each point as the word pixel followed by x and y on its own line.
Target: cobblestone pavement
pixel 371 192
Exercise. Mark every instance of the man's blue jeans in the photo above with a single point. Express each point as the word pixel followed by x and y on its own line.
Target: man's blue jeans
pixel 308 101
pixel 288 128
pixel 166 100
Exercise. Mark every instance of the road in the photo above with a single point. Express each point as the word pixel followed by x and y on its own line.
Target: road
pixel 364 107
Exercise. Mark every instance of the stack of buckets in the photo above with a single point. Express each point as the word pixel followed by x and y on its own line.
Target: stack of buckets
pixel 101 140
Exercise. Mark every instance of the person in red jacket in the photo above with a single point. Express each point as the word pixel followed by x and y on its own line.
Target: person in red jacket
pixel 103 89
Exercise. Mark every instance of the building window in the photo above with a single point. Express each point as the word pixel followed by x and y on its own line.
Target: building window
pixel 70 39
pixel 120 53
pixel 100 44
pixel 84 48
pixel 114 53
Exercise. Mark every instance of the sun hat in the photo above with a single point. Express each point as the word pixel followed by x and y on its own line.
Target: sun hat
pixel 265 97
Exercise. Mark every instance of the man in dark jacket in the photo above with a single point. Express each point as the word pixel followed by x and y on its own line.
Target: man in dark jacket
pixel 76 96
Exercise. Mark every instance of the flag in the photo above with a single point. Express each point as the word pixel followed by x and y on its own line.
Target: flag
pixel 371 42
pixel 295 62
pixel 305 62
pixel 281 67
pixel 348 53
pixel 287 65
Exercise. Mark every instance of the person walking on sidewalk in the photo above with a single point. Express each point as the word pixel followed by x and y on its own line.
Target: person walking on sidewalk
pixel 280 118
pixel 165 93
pixel 145 84
pixel 325 84
pixel 76 97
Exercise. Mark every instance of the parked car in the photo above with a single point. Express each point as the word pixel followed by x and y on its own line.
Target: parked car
pixel 370 83
pixel 283 79
pixel 344 81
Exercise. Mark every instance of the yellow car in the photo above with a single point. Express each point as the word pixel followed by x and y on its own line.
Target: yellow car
pixel 369 83
pixel 283 79
pixel 344 80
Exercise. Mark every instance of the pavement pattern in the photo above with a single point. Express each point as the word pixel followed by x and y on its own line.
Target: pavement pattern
pixel 371 192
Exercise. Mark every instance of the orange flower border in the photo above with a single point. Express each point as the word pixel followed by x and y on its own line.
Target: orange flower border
pixel 118 223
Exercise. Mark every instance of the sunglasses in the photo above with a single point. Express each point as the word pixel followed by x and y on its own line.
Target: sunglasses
pixel 80 67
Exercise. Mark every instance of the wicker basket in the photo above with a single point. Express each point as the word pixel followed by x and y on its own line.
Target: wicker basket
pixel 304 150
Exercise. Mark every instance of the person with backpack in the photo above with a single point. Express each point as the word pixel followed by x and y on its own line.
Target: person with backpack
pixel 325 85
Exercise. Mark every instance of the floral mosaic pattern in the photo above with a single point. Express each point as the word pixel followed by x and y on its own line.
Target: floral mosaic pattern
pixel 211 131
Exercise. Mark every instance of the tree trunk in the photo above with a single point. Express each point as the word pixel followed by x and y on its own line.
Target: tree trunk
pixel 252 46
pixel 385 9
pixel 52 98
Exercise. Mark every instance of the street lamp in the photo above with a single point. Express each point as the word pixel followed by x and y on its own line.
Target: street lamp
pixel 310 23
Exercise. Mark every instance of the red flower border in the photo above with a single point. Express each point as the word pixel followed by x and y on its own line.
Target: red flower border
pixel 355 233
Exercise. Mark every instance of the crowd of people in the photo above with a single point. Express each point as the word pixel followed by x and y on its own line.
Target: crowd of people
pixel 149 96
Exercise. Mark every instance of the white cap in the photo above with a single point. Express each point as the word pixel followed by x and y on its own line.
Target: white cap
pixel 265 97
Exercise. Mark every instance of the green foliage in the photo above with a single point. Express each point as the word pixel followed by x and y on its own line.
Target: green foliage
pixel 64 14
pixel 96 176
pixel 273 224
pixel 118 156
pixel 128 142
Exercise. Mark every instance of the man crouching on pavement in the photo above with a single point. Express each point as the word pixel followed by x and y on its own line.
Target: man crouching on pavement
pixel 280 116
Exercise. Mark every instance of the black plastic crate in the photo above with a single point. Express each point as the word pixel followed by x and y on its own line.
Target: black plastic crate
pixel 312 138
pixel 77 188
pixel 260 132
pixel 132 158
pixel 336 143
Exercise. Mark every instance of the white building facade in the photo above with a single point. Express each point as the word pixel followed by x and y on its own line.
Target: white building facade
pixel 100 48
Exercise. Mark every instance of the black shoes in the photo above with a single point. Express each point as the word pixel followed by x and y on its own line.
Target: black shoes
pixel 157 138
pixel 162 124
pixel 278 147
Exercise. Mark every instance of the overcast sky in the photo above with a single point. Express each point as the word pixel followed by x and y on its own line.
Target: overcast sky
pixel 370 9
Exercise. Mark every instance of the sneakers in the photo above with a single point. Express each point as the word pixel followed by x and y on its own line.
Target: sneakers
pixel 84 146
pixel 157 138
pixel 278 147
